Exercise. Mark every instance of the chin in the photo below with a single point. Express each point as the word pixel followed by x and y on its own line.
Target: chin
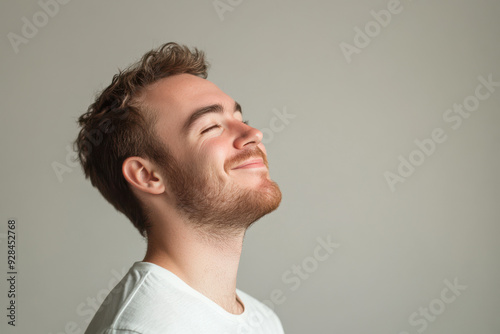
pixel 271 196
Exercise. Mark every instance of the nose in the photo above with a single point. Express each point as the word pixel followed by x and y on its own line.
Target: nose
pixel 247 135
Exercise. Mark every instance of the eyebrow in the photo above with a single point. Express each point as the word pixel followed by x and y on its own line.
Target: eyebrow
pixel 198 113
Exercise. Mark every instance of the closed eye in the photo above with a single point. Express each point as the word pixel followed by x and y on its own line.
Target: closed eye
pixel 210 128
pixel 218 126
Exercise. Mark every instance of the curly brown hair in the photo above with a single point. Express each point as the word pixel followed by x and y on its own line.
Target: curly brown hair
pixel 117 126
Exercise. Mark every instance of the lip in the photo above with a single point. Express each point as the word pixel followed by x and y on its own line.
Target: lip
pixel 252 163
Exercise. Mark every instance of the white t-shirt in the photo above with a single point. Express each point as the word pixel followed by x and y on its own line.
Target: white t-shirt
pixel 152 300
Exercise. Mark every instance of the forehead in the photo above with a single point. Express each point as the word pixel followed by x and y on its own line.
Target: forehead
pixel 181 93
pixel 174 98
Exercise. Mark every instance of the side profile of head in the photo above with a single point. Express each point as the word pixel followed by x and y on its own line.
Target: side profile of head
pixel 161 135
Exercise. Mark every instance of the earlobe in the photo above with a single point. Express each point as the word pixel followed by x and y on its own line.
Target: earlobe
pixel 142 175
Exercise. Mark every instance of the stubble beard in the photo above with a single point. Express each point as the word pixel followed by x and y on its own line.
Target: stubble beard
pixel 219 208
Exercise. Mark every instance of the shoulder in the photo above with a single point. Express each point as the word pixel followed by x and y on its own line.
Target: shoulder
pixel 134 303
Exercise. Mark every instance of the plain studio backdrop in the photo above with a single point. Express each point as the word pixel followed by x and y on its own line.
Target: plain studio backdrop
pixel 381 122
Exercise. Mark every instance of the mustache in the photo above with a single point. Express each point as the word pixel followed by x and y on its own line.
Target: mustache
pixel 243 156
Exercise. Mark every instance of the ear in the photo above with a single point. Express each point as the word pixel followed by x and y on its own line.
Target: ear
pixel 143 175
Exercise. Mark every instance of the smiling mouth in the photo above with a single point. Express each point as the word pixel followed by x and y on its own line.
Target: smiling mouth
pixel 254 163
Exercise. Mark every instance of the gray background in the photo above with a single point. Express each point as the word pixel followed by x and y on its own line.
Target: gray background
pixel 352 122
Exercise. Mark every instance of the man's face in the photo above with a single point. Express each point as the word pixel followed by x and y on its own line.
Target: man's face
pixel 203 179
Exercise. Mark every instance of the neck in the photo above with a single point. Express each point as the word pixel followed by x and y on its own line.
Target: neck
pixel 207 264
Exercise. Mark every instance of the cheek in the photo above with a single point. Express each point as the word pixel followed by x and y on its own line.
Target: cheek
pixel 213 154
pixel 220 156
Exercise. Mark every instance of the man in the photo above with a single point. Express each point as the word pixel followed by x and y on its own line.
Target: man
pixel 171 151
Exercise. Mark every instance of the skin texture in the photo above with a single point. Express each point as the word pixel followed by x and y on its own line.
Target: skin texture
pixel 200 206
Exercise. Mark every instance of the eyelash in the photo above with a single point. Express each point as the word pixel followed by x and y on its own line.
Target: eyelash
pixel 218 126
